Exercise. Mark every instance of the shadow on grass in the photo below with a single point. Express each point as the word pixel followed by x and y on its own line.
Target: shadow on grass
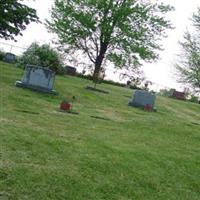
pixel 69 112
pixel 28 112
pixel 96 90
pixel 102 118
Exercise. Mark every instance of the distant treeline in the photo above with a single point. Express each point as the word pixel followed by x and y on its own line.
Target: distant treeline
pixel 89 77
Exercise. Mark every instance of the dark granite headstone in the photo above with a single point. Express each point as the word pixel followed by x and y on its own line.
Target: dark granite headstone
pixel 70 70
pixel 143 98
pixel 38 78
pixel 10 58
pixel 178 95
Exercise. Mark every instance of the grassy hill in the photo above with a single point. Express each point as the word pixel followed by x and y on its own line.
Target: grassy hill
pixel 132 154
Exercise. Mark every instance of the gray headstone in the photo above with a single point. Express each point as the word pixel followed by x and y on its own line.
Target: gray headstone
pixel 10 58
pixel 38 78
pixel 142 98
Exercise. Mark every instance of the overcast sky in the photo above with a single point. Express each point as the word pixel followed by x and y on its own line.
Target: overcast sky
pixel 161 72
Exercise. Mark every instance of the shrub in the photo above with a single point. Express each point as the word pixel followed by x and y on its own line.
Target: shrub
pixel 2 55
pixel 193 99
pixel 89 77
pixel 134 87
pixel 44 56
pixel 113 83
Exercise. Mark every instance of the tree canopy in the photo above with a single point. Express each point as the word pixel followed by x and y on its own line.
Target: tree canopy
pixel 188 66
pixel 14 17
pixel 122 32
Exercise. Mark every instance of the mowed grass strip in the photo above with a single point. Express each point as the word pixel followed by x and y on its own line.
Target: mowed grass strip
pixel 47 154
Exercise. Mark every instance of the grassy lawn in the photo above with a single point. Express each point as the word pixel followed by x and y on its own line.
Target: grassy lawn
pixel 46 154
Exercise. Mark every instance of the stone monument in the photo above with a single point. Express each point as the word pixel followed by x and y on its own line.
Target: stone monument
pixel 9 58
pixel 38 78
pixel 143 98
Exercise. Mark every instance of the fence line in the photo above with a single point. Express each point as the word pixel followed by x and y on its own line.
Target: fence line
pixel 4 43
pixel 11 48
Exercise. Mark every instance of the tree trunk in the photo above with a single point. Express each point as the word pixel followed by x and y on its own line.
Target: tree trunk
pixel 96 72
pixel 98 63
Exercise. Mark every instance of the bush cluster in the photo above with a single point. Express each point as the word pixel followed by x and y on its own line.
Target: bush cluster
pixel 193 99
pixel 44 56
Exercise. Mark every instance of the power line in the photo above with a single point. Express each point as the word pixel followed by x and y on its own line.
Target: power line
pixel 12 45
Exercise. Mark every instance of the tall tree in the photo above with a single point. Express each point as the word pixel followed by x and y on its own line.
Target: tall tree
pixel 14 17
pixel 123 32
pixel 188 64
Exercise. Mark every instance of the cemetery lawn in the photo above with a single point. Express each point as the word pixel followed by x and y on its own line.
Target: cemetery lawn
pixel 120 153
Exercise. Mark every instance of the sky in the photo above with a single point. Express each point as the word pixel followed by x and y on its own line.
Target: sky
pixel 161 73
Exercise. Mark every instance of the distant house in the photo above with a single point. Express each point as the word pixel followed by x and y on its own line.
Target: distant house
pixel 179 95
pixel 70 70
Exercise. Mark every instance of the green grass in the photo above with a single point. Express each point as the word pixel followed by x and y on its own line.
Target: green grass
pixel 46 154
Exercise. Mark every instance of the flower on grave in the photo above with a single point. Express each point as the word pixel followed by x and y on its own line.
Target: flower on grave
pixel 65 105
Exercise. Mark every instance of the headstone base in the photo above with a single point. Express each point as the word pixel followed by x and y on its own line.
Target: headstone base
pixel 36 88
pixel 140 106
